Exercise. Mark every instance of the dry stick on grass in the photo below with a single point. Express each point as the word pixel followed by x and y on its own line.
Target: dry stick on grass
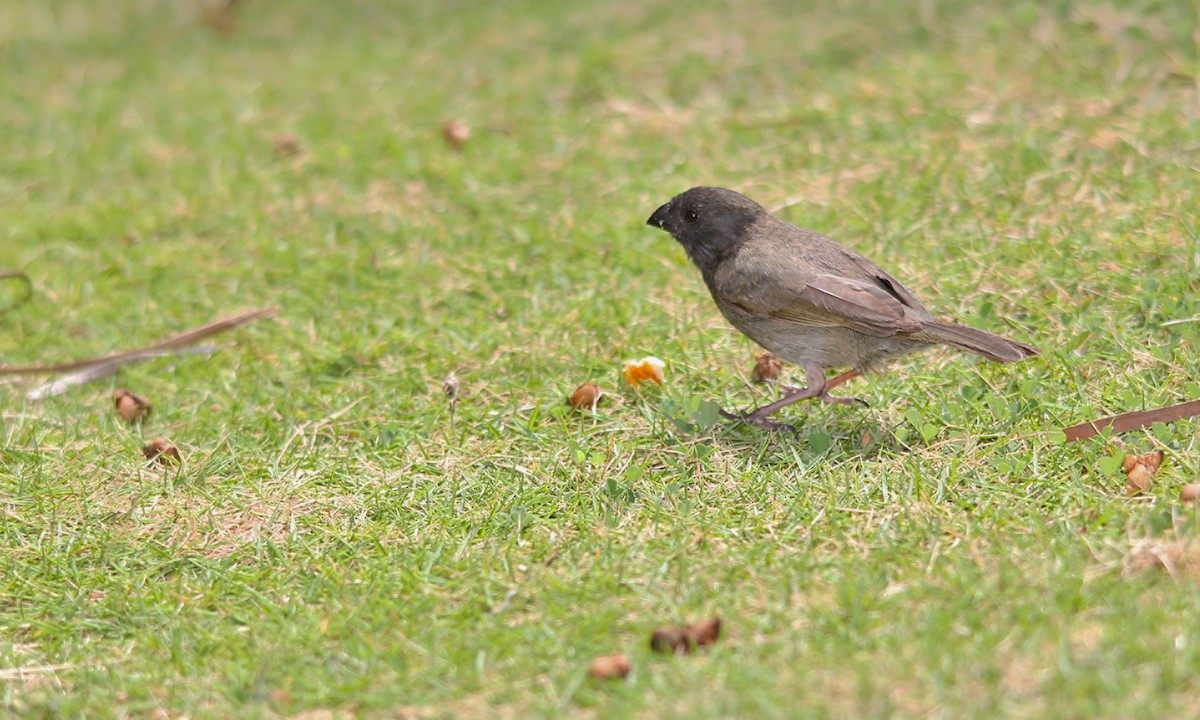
pixel 1133 420
pixel 183 339
pixel 91 373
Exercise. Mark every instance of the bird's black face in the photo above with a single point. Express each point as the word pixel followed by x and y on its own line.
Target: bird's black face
pixel 708 222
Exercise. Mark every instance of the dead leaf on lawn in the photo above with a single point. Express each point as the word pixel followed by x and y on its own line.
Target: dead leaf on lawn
pixel 1178 558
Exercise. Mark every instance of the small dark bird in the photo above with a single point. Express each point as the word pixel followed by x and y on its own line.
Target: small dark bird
pixel 807 298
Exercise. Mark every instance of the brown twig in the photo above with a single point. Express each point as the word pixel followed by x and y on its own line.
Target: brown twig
pixel 176 341
pixel 92 373
pixel 1133 420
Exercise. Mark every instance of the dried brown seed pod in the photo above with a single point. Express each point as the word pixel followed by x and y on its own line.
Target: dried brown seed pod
pixel 456 133
pixel 287 144
pixel 707 631
pixel 133 408
pixel 672 641
pixel 452 387
pixel 684 639
pixel 162 450
pixel 1152 461
pixel 586 397
pixel 1140 471
pixel 766 367
pixel 610 667
pixel 1138 480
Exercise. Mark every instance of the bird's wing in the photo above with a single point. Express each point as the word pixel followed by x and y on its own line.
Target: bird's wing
pixel 867 308
pixel 882 278
pixel 826 300
pixel 809 279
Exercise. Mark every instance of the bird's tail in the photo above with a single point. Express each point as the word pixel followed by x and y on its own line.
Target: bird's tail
pixel 992 347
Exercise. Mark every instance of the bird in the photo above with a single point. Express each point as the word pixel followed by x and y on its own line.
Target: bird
pixel 807 298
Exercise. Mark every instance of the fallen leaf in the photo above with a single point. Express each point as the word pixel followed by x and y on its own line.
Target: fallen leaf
pixel 586 396
pixel 637 372
pixel 1179 558
pixel 610 667
pixel 133 408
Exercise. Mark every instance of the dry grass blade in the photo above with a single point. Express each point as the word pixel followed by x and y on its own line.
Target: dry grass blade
pixel 20 673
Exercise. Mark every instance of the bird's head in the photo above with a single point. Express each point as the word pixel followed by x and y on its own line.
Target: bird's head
pixel 708 222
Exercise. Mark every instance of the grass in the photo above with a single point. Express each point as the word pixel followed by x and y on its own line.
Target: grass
pixel 339 541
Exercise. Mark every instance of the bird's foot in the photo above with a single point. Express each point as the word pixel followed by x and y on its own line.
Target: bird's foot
pixel 755 418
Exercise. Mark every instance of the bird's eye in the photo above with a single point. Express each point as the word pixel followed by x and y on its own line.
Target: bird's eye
pixel 691 216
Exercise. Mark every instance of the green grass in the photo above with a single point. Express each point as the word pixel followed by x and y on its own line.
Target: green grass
pixel 337 539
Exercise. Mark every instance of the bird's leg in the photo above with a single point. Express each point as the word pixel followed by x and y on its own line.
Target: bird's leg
pixel 839 379
pixel 829 385
pixel 834 382
pixel 816 388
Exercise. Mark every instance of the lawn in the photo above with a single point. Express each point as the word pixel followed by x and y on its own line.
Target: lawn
pixel 340 541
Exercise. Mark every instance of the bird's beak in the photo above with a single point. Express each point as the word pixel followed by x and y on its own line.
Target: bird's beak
pixel 661 218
